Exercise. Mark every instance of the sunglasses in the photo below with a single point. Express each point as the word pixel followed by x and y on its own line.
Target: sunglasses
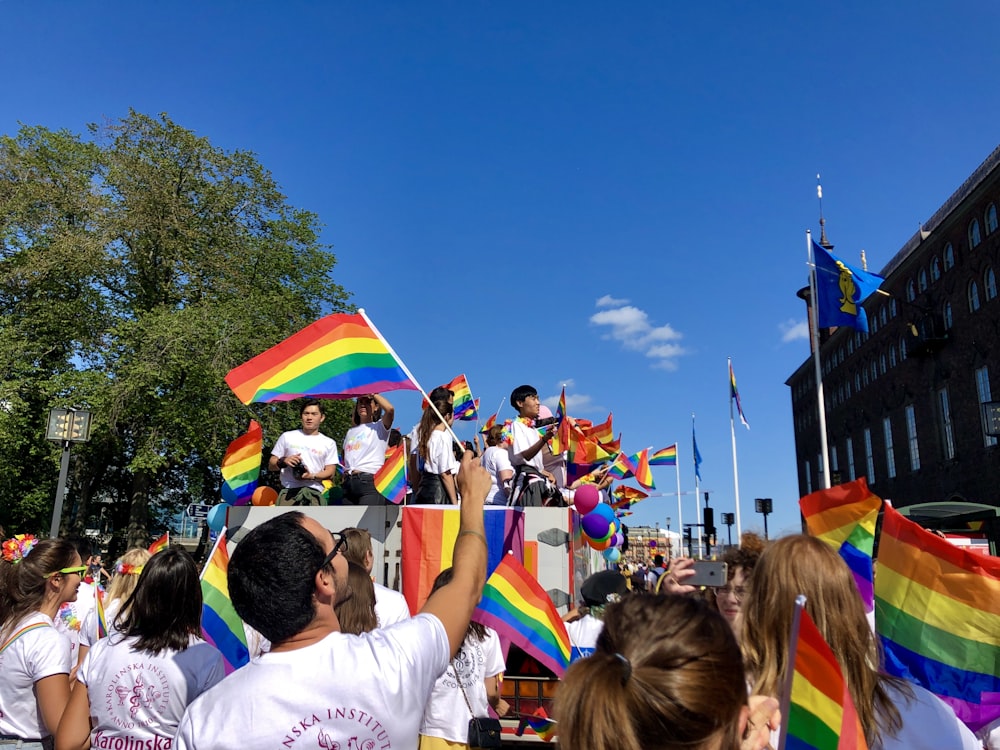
pixel 79 570
pixel 340 541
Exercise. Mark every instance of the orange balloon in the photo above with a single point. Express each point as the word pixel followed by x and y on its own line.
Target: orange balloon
pixel 264 496
pixel 598 545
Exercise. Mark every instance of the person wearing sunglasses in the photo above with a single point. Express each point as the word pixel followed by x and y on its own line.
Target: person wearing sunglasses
pixel 36 578
pixel 320 687
pixel 364 448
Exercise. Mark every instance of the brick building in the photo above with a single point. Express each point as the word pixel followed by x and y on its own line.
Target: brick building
pixel 908 405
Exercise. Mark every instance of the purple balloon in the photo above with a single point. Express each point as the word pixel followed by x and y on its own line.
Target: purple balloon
pixel 596 526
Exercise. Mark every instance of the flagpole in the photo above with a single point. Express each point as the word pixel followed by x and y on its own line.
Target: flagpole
pixel 786 688
pixel 736 474
pixel 820 398
pixel 680 511
pixel 406 371
pixel 697 492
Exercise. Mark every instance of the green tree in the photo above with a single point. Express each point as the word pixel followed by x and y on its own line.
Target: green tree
pixel 139 265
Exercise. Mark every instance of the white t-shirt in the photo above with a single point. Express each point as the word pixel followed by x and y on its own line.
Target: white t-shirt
pixel 40 652
pixel 390 606
pixel 523 437
pixel 447 715
pixel 136 696
pixel 347 689
pixel 71 615
pixel 440 456
pixel 317 450
pixel 496 459
pixel 365 446
pixel 583 636
pixel 88 630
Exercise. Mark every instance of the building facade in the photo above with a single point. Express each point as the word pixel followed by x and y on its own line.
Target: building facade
pixel 911 404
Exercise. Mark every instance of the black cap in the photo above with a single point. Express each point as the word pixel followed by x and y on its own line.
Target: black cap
pixel 596 589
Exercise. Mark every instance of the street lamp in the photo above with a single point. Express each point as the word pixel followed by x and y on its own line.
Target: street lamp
pixel 729 519
pixel 66 426
pixel 764 506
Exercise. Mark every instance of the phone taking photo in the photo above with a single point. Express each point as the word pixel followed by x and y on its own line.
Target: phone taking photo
pixel 708 573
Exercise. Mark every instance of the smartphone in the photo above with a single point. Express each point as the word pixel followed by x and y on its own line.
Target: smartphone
pixel 708 573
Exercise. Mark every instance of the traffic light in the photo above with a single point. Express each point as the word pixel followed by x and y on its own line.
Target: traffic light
pixel 709 521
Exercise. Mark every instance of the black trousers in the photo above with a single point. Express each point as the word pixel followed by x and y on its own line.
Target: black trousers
pixel 359 489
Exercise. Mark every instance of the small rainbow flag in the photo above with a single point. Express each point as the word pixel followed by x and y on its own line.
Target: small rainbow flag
pixel 490 423
pixel 465 407
pixel 643 474
pixel 622 467
pixel 821 714
pixel 102 618
pixel 664 457
pixel 241 466
pixel 390 479
pixel 844 517
pixel 220 624
pixel 561 412
pixel 937 613
pixel 339 356
pixel 540 724
pixel 516 606
pixel 162 543
pixel 626 494
pixel 602 433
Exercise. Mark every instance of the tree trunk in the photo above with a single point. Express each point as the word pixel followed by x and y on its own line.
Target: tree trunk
pixel 137 534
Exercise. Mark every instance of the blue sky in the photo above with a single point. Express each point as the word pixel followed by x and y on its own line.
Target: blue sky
pixel 608 196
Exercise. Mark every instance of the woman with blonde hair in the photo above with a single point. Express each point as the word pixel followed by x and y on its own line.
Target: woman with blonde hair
pixel 123 583
pixel 356 613
pixel 894 714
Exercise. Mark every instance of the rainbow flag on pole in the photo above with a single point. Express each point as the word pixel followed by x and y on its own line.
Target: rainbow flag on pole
pixel 734 395
pixel 821 714
pixel 241 466
pixel 220 624
pixel 390 479
pixel 162 543
pixel 540 724
pixel 937 613
pixel 664 457
pixel 622 467
pixel 339 356
pixel 643 474
pixel 102 618
pixel 844 517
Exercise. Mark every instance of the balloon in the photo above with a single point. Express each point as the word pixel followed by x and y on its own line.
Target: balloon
pixel 617 539
pixel 596 526
pixel 612 554
pixel 264 496
pixel 586 498
pixel 217 517
pixel 598 545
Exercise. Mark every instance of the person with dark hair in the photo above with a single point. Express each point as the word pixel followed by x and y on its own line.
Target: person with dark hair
pixel 390 605
pixel 36 578
pixel 666 673
pixel 356 613
pixel 532 485
pixel 416 464
pixel 364 448
pixel 305 457
pixel 740 562
pixel 136 683
pixel 320 687
pixel 437 478
pixel 584 625
pixel 466 689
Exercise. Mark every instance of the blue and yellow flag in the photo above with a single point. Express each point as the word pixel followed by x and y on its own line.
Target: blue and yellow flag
pixel 840 290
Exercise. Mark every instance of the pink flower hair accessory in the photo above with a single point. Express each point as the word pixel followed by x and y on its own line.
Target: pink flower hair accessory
pixel 18 547
pixel 123 569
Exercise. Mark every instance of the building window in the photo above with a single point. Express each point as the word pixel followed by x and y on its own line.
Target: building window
pixel 892 308
pixel 864 374
pixel 946 316
pixel 949 257
pixel 911 291
pixel 890 453
pixel 911 438
pixel 983 389
pixel 991 218
pixel 883 316
pixel 975 237
pixel 850 460
pixel 850 345
pixel 874 371
pixel 809 477
pixel 990 284
pixel 881 364
pixel 869 456
pixel 834 463
pixel 947 428
pixel 973 296
pixel 857 382
pixel 902 348
pixel 935 269
pixel 922 280
pixel 847 388
pixel 873 323
pixel 892 355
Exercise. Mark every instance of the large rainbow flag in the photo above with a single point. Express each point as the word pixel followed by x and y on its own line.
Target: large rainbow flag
pixel 516 606
pixel 643 474
pixel 844 517
pixel 821 713
pixel 220 624
pixel 241 466
pixel 339 356
pixel 937 613
pixel 429 534
pixel 390 479
pixel 664 457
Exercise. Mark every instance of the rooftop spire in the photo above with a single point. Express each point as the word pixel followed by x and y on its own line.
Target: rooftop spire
pixel 823 241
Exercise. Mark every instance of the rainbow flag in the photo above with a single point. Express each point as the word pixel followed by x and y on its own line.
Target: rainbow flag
pixel 844 517
pixel 102 618
pixel 339 356
pixel 821 714
pixel 602 433
pixel 162 543
pixel 937 613
pixel 429 534
pixel 516 606
pixel 220 624
pixel 241 466
pixel 622 467
pixel 466 408
pixel 540 724
pixel 643 474
pixel 561 412
pixel 589 451
pixel 390 479
pixel 626 494
pixel 664 457
pixel 734 395
pixel 490 423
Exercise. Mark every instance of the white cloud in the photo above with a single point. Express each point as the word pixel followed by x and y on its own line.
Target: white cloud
pixel 794 330
pixel 608 301
pixel 576 403
pixel 630 326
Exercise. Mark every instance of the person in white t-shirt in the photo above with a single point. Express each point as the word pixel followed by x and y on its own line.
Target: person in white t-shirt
pixel 364 449
pixel 598 591
pixel 136 683
pixel 305 458
pixel 532 484
pixel 434 447
pixel 36 578
pixel 318 687
pixel 466 689
pixel 416 464
pixel 390 605
pixel 496 461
